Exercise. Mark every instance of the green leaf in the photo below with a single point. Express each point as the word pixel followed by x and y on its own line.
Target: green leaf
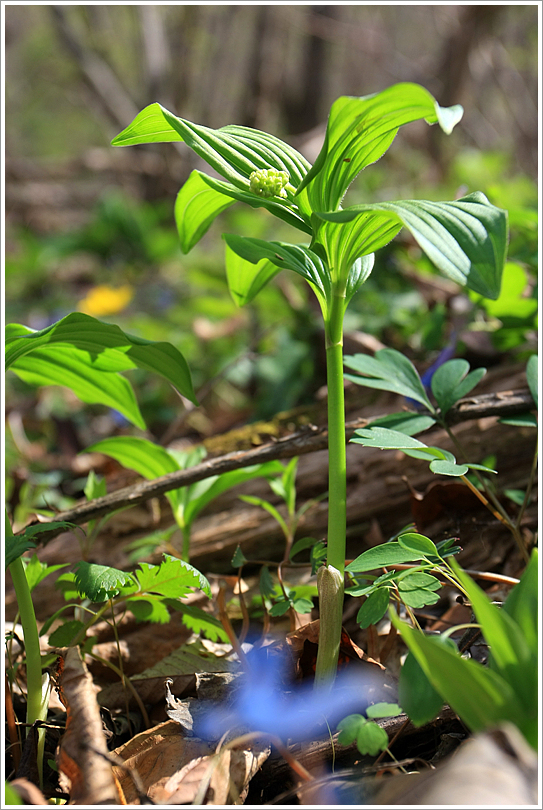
pixel 416 694
pixel 443 467
pixel 100 582
pixel 301 544
pixel 150 608
pixel 267 588
pixel 301 260
pixel 302 605
pixel 451 382
pixel 198 621
pixel 371 739
pixel 95 486
pixel 522 603
pixel 387 439
pixel 479 696
pixel 252 499
pixel 419 598
pixel 377 710
pixel 532 373
pixel 280 608
pixel 69 367
pixel 102 347
pixel 360 130
pixel 233 151
pixel 374 608
pixel 238 558
pixel 64 635
pixel 522 420
pixel 389 370
pixel 383 555
pixel 172 578
pixel 349 727
pixel 196 207
pixel 37 571
pixel 17 544
pixel 408 423
pixel 413 580
pixel 465 239
pixel 245 278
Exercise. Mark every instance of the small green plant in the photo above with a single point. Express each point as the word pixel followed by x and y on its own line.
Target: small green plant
pixel 150 460
pixel 370 738
pixel 465 239
pixel 507 690
pixel 392 371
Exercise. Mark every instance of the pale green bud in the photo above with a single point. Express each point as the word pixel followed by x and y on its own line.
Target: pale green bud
pixel 269 182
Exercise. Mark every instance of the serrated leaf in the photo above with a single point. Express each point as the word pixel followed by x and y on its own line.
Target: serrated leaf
pixel 238 558
pixel 383 555
pixel 374 608
pixel 36 571
pixel 172 578
pixel 17 544
pixel 389 370
pixel 198 621
pixel 100 582
pixel 150 609
pixel 267 588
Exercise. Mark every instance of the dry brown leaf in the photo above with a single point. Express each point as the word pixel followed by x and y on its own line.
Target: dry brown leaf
pixel 85 772
pixel 175 769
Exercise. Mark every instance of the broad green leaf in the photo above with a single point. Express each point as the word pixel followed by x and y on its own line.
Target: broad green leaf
pixel 512 304
pixel 377 710
pixel 522 603
pixel 443 467
pixel 360 130
pixel 374 608
pixel 511 655
pixel 233 151
pixel 196 207
pixel 532 373
pixel 389 370
pixel 103 347
pixel 172 578
pixel 408 423
pixel 349 727
pixel 150 608
pixel 245 278
pixel 379 556
pixel 418 543
pixel 451 382
pixel 465 239
pixel 292 257
pixel 522 420
pixel 280 608
pixel 346 243
pixel 69 367
pixel 479 696
pixel 100 582
pixel 417 696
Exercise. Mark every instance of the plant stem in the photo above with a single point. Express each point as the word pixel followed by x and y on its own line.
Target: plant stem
pixel 331 583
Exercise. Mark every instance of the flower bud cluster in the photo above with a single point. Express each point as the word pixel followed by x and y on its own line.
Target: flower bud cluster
pixel 269 182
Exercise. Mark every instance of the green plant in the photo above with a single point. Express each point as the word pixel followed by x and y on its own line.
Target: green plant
pixel 392 371
pixel 370 738
pixel 435 672
pixel 151 461
pixel 466 240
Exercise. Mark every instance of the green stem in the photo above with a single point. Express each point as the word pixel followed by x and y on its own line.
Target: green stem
pixel 36 706
pixel 331 580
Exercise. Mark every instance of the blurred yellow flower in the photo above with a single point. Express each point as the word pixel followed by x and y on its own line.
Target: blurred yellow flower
pixel 104 300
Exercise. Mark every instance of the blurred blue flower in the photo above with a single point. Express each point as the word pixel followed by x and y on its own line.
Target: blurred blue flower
pixel 296 712
pixel 446 354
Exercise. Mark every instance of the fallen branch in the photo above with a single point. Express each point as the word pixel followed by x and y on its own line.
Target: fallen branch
pixel 307 440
